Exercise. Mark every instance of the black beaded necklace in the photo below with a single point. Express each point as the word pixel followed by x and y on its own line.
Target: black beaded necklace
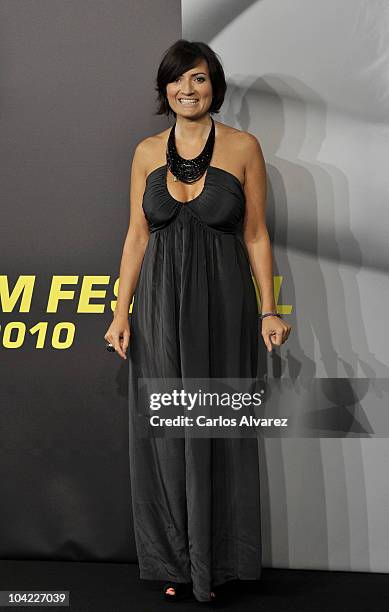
pixel 189 170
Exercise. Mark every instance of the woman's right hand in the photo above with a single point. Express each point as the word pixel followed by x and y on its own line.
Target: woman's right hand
pixel 118 334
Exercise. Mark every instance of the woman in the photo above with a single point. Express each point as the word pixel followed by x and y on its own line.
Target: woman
pixel 197 225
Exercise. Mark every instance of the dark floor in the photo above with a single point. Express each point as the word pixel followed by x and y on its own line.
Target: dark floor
pixel 115 587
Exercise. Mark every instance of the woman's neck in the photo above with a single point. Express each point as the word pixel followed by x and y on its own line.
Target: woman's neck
pixel 192 131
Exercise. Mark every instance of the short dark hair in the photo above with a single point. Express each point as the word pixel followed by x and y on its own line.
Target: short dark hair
pixel 182 56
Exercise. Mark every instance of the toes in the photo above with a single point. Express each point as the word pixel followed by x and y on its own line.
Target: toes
pixel 170 591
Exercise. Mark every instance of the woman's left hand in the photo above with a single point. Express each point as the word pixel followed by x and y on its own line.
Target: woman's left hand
pixel 274 331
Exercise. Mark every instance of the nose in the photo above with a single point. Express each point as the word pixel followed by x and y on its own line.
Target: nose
pixel 187 88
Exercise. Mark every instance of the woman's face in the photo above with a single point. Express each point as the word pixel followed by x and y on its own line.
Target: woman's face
pixel 190 95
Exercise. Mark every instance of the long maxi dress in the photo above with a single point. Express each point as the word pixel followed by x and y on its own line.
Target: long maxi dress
pixel 195 502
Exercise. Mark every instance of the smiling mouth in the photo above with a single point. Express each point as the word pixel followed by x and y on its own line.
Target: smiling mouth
pixel 188 101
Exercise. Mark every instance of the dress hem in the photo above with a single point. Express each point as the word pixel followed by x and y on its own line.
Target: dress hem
pixel 185 579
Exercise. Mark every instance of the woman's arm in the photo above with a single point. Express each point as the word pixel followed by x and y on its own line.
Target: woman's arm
pixel 134 248
pixel 137 236
pixel 256 238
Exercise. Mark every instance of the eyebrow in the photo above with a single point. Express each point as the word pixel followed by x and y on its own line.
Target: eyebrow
pixel 196 73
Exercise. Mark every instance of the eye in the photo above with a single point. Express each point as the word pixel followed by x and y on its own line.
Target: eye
pixel 202 79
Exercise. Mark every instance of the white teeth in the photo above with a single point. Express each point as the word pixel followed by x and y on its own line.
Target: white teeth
pixel 188 101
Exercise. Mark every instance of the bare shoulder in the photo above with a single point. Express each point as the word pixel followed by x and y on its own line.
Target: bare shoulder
pixel 239 136
pixel 248 144
pixel 146 146
pixel 226 132
pixel 148 151
pixel 251 153
pixel 243 144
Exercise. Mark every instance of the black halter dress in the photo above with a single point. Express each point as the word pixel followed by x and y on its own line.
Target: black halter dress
pixel 196 503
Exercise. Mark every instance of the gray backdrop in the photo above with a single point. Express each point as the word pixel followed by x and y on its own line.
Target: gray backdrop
pixel 310 80
pixel 77 94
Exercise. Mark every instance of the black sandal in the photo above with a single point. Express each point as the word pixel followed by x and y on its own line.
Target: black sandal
pixel 212 599
pixel 182 590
